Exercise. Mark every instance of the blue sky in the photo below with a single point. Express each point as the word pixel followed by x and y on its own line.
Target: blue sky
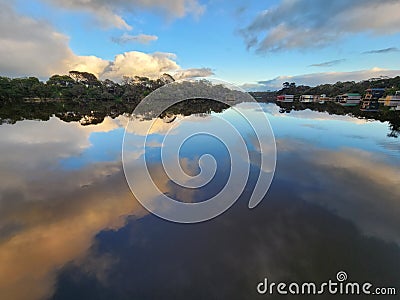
pixel 256 44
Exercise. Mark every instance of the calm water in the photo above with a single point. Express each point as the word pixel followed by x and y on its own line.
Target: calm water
pixel 70 227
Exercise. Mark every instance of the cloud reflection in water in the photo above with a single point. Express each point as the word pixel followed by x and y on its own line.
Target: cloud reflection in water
pixel 65 234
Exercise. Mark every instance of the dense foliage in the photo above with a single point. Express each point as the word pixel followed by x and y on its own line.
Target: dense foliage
pixel 331 90
pixel 80 96
pixel 81 86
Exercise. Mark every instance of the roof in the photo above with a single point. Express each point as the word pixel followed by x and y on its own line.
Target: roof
pixel 376 89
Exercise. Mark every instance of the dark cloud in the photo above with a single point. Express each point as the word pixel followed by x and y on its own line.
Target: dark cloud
pixel 328 63
pixel 382 51
pixel 310 24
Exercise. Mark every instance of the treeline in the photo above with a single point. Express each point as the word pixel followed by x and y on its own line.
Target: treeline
pixel 81 86
pixel 82 97
pixel 331 90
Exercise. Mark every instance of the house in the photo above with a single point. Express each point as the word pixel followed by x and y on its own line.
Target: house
pixel 310 98
pixel 375 93
pixel 323 98
pixel 285 98
pixel 349 99
pixel 392 100
pixel 371 99
pixel 316 98
pixel 307 98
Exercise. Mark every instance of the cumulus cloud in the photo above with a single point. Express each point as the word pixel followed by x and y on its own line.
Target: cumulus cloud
pixel 382 51
pixel 140 38
pixel 33 47
pixel 306 24
pixel 91 64
pixel 328 63
pixel 315 79
pixel 108 13
pixel 29 46
pixel 193 73
pixel 141 64
pixel 135 63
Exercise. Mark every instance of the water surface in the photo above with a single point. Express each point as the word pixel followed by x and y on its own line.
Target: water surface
pixel 70 227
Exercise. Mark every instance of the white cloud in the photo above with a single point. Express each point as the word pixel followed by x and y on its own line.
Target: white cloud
pixel 140 38
pixel 255 87
pixel 314 79
pixel 192 73
pixel 141 64
pixel 91 64
pixel 31 47
pixel 108 13
pixel 308 24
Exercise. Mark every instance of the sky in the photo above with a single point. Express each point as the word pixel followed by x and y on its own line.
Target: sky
pixel 255 44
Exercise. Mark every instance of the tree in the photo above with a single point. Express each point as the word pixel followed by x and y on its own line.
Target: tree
pixel 77 91
pixel 61 81
pixel 111 87
pixel 5 88
pixel 85 78
pixel 106 96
